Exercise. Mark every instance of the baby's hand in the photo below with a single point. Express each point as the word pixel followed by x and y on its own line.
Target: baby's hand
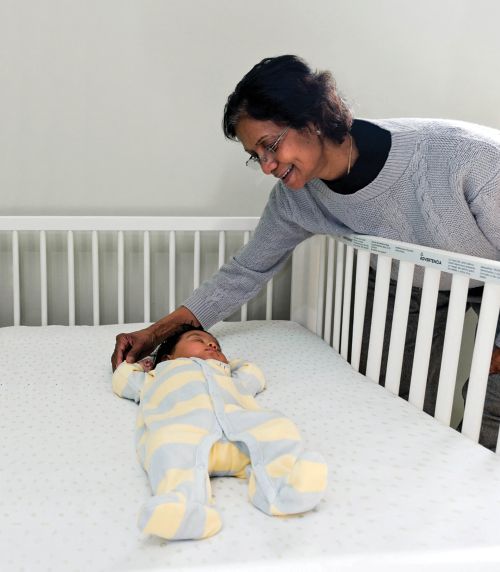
pixel 147 364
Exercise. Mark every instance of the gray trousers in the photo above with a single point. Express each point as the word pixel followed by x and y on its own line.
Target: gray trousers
pixel 491 416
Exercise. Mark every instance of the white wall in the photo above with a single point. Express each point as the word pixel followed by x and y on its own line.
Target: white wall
pixel 114 106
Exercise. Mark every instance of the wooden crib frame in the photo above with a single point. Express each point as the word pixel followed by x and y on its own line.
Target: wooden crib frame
pixel 321 293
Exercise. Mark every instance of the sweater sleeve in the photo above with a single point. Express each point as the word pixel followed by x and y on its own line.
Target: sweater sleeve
pixel 246 273
pixel 486 208
pixel 128 381
pixel 247 377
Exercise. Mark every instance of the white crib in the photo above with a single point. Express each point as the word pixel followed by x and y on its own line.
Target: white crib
pixel 406 459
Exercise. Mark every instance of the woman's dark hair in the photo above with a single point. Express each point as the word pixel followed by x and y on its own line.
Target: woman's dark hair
pixel 287 91
pixel 168 345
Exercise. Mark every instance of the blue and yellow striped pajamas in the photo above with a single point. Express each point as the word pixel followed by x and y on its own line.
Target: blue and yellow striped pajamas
pixel 198 418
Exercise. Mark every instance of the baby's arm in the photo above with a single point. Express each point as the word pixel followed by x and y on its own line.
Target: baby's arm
pixel 247 376
pixel 128 380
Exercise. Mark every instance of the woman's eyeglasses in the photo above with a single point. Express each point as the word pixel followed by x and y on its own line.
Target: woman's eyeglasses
pixel 256 161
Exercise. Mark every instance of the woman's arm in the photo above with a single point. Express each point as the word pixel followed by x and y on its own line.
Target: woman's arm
pixel 236 282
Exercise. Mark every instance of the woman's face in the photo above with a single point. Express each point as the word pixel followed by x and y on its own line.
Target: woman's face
pixel 299 156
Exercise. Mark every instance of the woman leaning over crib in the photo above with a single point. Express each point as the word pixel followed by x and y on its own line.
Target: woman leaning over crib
pixel 426 181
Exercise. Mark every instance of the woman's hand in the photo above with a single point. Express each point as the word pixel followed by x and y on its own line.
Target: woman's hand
pixel 133 346
pixel 137 345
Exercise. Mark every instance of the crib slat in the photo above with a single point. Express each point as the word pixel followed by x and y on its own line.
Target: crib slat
pixel 398 328
pixel 222 247
pixel 244 308
pixel 451 348
pixel 423 341
pixel 43 278
pixel 16 279
pixel 379 317
pixel 171 272
pixel 147 276
pixel 346 309
pixel 121 278
pixel 95 277
pixel 362 267
pixel 320 298
pixel 327 330
pixel 339 281
pixel 71 279
pixel 197 259
pixel 269 300
pixel 481 357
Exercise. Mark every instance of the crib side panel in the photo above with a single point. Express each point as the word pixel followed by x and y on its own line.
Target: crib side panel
pixel 103 270
pixel 400 320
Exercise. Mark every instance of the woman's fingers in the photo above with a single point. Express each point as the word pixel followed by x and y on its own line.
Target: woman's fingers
pixel 140 345
pixel 122 346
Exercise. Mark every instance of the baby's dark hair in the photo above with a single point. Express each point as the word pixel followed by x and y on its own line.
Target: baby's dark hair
pixel 168 345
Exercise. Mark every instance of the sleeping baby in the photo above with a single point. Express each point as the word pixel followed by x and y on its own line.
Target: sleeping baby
pixel 198 418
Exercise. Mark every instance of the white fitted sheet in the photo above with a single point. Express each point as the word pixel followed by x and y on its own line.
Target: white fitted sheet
pixel 405 491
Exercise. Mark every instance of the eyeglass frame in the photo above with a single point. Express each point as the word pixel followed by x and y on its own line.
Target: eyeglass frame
pixel 257 161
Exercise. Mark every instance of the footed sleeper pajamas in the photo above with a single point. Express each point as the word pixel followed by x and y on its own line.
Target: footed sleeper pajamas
pixel 199 418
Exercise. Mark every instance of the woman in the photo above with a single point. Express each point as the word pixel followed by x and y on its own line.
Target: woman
pixel 429 182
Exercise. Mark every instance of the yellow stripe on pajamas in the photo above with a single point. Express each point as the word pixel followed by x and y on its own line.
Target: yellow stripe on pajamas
pixel 308 476
pixel 189 434
pixel 202 401
pixel 174 383
pixel 246 401
pixel 121 377
pixel 231 407
pixel 212 522
pixel 173 478
pixel 280 466
pixel 166 519
pixel 252 486
pixel 276 430
pixel 225 457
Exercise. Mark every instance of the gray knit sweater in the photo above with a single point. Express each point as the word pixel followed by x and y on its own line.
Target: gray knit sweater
pixel 440 187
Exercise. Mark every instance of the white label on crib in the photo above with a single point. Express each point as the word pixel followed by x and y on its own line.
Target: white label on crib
pixel 462 266
pixel 488 273
pixel 436 259
pixel 433 259
pixel 359 242
pixel 382 247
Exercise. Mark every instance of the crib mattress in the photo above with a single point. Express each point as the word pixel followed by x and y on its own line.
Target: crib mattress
pixel 405 492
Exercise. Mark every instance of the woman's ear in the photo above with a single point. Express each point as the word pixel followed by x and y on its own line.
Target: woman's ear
pixel 311 131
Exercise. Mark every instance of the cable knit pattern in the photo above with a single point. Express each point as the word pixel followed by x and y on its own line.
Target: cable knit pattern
pixel 440 187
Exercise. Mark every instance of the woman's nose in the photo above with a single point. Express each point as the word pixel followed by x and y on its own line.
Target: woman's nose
pixel 268 166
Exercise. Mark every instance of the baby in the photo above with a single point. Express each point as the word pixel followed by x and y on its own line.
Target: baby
pixel 198 418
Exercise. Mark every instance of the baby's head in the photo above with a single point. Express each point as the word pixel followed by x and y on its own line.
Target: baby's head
pixel 190 341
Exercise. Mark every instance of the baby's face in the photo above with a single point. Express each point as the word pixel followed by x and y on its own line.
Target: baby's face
pixel 198 344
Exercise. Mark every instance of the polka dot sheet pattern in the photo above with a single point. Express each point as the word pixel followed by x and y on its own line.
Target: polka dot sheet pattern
pixel 404 492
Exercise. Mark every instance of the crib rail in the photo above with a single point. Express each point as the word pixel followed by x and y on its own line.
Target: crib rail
pixel 329 287
pixel 322 300
pixel 199 227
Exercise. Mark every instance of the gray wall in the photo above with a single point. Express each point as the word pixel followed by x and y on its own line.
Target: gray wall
pixel 114 106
